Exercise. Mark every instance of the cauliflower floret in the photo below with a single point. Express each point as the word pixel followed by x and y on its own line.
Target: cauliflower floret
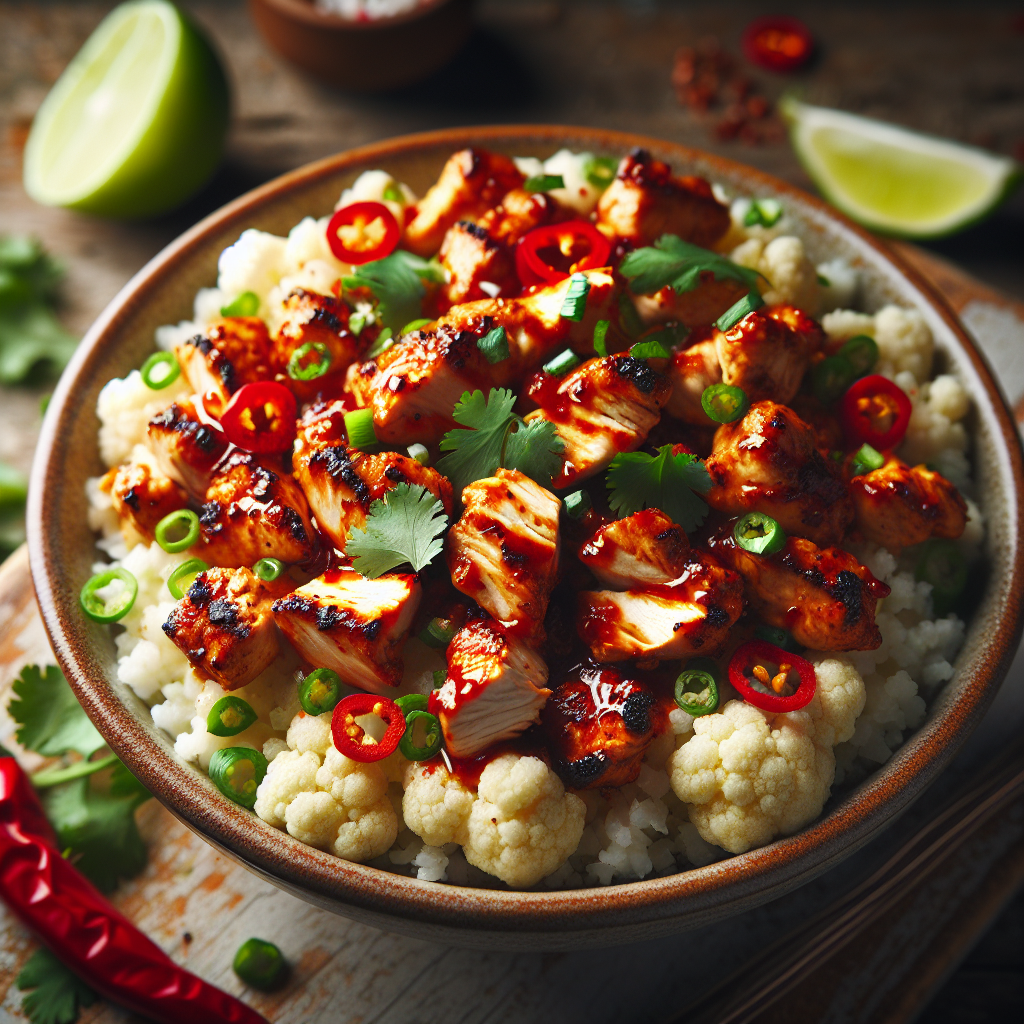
pixel 311 732
pixel 905 343
pixel 784 263
pixel 933 431
pixel 839 283
pixel 369 824
pixel 125 407
pixel 288 775
pixel 254 263
pixel 436 806
pixel 523 824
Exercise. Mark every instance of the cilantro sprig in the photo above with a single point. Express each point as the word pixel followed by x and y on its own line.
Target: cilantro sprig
pixel 54 992
pixel 397 282
pixel 672 483
pixel 671 261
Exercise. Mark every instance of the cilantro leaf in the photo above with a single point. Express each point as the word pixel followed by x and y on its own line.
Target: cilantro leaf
pixel 671 261
pixel 535 449
pixel 57 993
pixel 405 526
pixel 50 719
pixel 665 481
pixel 477 452
pixel 397 281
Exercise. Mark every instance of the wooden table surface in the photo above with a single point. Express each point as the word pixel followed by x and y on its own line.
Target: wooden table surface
pixel 953 69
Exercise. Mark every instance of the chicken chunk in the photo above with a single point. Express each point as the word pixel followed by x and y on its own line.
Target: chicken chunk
pixel 769 462
pixel 823 596
pixel 601 408
pixel 472 181
pixel 644 549
pixel 599 725
pixel 476 265
pixel 898 505
pixel 141 496
pixel 503 552
pixel 692 370
pixel 224 626
pixel 691 616
pixel 645 201
pixel 518 213
pixel 494 690
pixel 697 308
pixel 187 446
pixel 255 510
pixel 353 625
pixel 233 352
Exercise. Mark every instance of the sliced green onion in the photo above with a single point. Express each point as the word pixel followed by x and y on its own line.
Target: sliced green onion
pixel 237 773
pixel 183 573
pixel 160 370
pixel 724 403
pixel 777 637
pixel 392 193
pixel 574 304
pixel 562 363
pixel 577 504
pixel 544 182
pixel 268 569
pixel 696 692
pixel 419 453
pixel 299 370
pixel 738 310
pixel 494 345
pixel 600 337
pixel 759 534
pixel 110 609
pixel 356 323
pixel 382 344
pixel 861 353
pixel 432 736
pixel 600 170
pixel 230 716
pixel 866 459
pixel 260 964
pixel 246 304
pixel 765 212
pixel 440 677
pixel 438 633
pixel 629 317
pixel 831 377
pixel 649 348
pixel 359 429
pixel 823 281
pixel 320 691
pixel 942 564
pixel 412 702
pixel 414 325
pixel 173 523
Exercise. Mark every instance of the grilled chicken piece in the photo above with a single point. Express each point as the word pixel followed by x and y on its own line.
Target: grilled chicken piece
pixel 645 201
pixel 254 510
pixel 353 625
pixel 691 370
pixel 186 445
pixel 898 506
pixel 518 213
pixel 599 725
pixel 823 596
pixel 601 408
pixel 141 496
pixel 769 462
pixel 341 483
pixel 476 265
pixel 812 333
pixel 472 181
pixel 503 552
pixel 311 317
pixel 233 352
pixel 642 550
pixel 827 428
pixel 697 308
pixel 224 626
pixel 494 690
pixel 692 616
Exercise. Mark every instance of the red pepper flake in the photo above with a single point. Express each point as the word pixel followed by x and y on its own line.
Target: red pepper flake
pixel 778 43
pixel 349 735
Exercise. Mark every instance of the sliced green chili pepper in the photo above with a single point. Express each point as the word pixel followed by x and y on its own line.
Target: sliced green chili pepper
pixel 299 370
pixel 260 964
pixel 600 170
pixel 724 403
pixel 759 534
pixel 600 337
pixel 184 572
pixel 320 691
pixel 113 608
pixel 696 692
pixel 781 638
pixel 230 716
pixel 174 522
pixel 432 739
pixel 942 564
pixel 866 459
pixel 247 304
pixel 831 378
pixel 160 370
pixel 440 677
pixel 237 773
pixel 861 352
pixel 438 633
pixel 412 702
pixel 268 569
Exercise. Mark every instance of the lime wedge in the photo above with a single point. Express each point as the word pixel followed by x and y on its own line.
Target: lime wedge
pixel 136 122
pixel 893 180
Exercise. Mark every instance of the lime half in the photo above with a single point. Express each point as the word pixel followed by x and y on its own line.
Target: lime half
pixel 893 180
pixel 136 122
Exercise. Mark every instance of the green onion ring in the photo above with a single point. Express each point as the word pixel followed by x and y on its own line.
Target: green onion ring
pixel 861 352
pixel 298 370
pixel 160 370
pixel 116 608
pixel 237 773
pixel 831 377
pixel 866 460
pixel 268 569
pixel 230 716
pixel 320 691
pixel 433 739
pixel 192 567
pixel 183 517
pixel 759 534
pixel 696 692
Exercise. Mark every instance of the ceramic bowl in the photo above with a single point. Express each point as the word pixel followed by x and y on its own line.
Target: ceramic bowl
pixel 364 56
pixel 62 551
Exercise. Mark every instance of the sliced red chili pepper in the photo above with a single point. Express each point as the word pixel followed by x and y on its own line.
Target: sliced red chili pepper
pixel 553 252
pixel 348 733
pixel 772 667
pixel 355 237
pixel 778 43
pixel 876 412
pixel 260 417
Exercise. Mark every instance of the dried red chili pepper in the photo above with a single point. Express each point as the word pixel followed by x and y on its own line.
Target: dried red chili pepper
pixel 260 417
pixel 553 252
pixel 361 216
pixel 51 898
pixel 759 654
pixel 348 734
pixel 778 43
pixel 875 411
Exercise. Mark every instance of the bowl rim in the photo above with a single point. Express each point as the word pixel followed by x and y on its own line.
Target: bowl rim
pixel 389 899
pixel 306 12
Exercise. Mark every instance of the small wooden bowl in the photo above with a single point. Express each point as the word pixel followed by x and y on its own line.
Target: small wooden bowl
pixel 365 56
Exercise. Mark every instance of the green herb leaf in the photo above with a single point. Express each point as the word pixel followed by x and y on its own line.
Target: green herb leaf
pixel 544 182
pixel 56 992
pixel 50 719
pixel 494 345
pixel 477 452
pixel 765 212
pixel 536 450
pixel 664 481
pixel 600 337
pixel 397 282
pixel 671 261
pixel 404 526
pixel 649 348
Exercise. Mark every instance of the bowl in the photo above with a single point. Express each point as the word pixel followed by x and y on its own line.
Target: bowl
pixel 365 56
pixel 61 548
